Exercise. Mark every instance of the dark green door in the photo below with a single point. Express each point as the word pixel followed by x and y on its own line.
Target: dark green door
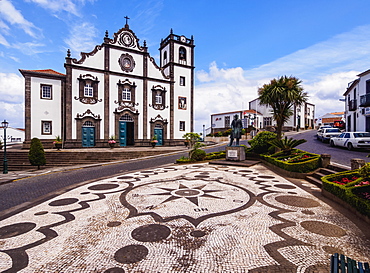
pixel 122 133
pixel 88 136
pixel 159 134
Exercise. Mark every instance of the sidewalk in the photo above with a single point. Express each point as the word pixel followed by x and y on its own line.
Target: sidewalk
pixel 181 218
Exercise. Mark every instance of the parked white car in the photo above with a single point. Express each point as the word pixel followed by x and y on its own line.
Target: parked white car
pixel 351 140
pixel 326 134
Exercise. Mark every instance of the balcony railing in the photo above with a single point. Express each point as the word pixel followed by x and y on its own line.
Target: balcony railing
pixel 365 100
pixel 352 106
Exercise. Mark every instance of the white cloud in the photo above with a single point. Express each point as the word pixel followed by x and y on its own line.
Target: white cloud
pixel 82 37
pixel 29 48
pixel 13 113
pixel 325 69
pixel 14 17
pixel 11 88
pixel 57 6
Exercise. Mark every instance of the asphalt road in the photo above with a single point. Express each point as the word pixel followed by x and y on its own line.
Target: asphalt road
pixel 338 155
pixel 22 191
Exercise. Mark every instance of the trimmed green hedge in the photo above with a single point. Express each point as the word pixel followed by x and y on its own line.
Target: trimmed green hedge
pixel 301 166
pixel 348 191
pixel 215 155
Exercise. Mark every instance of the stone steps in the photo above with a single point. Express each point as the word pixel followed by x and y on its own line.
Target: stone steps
pixel 315 178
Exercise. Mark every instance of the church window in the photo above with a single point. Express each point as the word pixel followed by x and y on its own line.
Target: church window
pixel 165 57
pixel 46 92
pixel 182 125
pixel 182 81
pixel 158 98
pixel 88 90
pixel 126 94
pixel 182 55
pixel 46 127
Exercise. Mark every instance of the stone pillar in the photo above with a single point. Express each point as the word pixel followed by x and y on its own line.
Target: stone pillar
pixel 325 160
pixel 357 163
pixel 235 153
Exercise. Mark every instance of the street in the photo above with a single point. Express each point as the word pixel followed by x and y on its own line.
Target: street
pixel 338 155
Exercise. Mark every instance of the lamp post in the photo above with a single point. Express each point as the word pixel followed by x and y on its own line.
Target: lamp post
pixel 204 131
pixel 5 162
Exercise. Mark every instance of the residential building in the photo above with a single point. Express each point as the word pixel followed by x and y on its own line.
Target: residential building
pixel 115 90
pixel 357 103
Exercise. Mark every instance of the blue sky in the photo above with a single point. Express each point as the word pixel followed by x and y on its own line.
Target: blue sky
pixel 240 45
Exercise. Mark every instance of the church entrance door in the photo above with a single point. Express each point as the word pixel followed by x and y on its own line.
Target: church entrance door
pixel 126 133
pixel 88 136
pixel 159 134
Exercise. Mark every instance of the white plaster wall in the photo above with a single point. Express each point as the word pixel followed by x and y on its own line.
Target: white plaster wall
pixel 45 110
pixel 95 61
pixel 12 135
pixel 153 71
pixel 80 108
pixel 114 65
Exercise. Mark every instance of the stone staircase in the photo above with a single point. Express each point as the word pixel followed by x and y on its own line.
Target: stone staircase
pixel 18 160
pixel 315 178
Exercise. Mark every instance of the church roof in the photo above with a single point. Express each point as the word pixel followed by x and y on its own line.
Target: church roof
pixel 50 72
pixel 47 71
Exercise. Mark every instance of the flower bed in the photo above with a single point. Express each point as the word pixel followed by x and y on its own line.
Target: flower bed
pixel 298 161
pixel 351 188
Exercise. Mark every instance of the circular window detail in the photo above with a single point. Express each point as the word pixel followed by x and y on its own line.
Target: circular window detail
pixel 127 40
pixel 126 62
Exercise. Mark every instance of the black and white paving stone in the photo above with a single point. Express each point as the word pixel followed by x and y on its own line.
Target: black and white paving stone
pixel 181 218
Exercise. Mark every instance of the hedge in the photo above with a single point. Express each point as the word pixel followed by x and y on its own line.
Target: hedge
pixel 303 166
pixel 348 192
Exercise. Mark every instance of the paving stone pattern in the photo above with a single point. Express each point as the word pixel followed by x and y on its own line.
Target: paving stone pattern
pixel 186 218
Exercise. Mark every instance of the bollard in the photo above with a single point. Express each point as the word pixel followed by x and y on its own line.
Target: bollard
pixel 357 163
pixel 325 160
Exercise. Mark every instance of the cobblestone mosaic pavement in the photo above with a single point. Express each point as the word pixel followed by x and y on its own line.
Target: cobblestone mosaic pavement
pixel 187 218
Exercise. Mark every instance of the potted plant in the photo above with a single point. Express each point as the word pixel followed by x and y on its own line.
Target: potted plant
pixel 58 143
pixel 154 141
pixel 112 142
pixel 186 142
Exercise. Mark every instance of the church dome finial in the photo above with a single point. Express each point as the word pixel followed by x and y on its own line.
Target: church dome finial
pixel 126 25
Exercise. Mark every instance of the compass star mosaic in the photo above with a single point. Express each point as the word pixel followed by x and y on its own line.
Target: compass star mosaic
pixel 187 218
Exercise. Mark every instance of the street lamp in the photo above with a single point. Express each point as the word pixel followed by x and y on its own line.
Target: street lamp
pixel 5 163
pixel 204 131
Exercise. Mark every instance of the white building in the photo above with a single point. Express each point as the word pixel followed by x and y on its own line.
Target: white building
pixel 357 104
pixel 260 117
pixel 13 135
pixel 115 90
pixel 303 116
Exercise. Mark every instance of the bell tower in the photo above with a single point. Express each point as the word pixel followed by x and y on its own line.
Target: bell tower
pixel 177 62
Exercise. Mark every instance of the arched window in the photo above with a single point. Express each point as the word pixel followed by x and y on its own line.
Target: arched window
pixel 182 55
pixel 88 90
pixel 89 124
pixel 126 94
pixel 165 57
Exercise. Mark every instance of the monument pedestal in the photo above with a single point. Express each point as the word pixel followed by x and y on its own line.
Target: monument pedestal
pixel 235 153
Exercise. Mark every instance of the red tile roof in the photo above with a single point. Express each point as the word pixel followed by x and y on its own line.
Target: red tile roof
pixel 47 71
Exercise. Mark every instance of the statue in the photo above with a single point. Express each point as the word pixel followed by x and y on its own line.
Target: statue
pixel 236 130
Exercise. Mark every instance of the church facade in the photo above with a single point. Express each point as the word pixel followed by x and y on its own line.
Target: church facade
pixel 117 90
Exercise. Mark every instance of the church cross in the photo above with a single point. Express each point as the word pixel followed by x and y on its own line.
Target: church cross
pixel 126 17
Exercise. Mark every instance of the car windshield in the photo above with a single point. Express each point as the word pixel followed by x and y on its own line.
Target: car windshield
pixel 334 130
pixel 361 134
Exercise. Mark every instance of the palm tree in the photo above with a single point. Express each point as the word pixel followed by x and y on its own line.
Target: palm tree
pixel 281 94
pixel 286 145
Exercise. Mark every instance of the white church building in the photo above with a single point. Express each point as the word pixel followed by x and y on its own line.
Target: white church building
pixel 115 90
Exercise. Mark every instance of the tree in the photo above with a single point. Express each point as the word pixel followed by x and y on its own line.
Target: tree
pixel 281 94
pixel 36 155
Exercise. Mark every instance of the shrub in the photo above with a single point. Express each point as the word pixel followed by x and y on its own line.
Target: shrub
pixel 215 155
pixel 287 145
pixel 36 155
pixel 198 155
pixel 260 143
pixel 183 159
pixel 364 171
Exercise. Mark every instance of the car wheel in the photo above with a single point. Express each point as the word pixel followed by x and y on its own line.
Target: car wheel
pixel 350 147
pixel 332 143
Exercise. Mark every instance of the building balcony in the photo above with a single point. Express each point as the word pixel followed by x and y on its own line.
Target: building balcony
pixel 352 105
pixel 365 100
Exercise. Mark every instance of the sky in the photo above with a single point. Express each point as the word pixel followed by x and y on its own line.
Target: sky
pixel 240 45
